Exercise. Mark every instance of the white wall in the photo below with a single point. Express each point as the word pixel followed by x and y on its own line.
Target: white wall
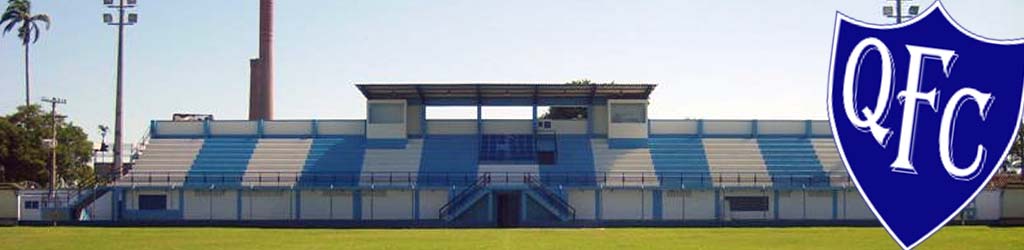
pixel 326 205
pixel 626 204
pixel 821 128
pixel 431 201
pixel 387 205
pixel 600 119
pixel 987 205
pixel 583 201
pixel 625 130
pixel 801 205
pixel 853 207
pixel 413 117
pixel 293 128
pixel 569 127
pixel 508 126
pixel 179 128
pixel 233 127
pixel 387 130
pixel 781 127
pixel 451 127
pixel 674 127
pixel 688 205
pixel 341 127
pixel 727 127
pixel 101 209
pixel 267 204
pixel 211 205
pixel 1013 203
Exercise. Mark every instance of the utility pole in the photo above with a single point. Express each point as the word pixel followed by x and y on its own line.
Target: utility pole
pixel 121 7
pixel 52 143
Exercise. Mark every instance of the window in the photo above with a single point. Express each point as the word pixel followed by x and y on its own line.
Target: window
pixel 629 113
pixel 748 203
pixel 386 113
pixel 31 204
pixel 152 202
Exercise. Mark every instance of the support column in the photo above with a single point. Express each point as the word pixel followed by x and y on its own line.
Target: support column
pixel 775 204
pixel 423 120
pixel 416 204
pixel 238 204
pixel 357 205
pixel 535 119
pixel 298 203
pixel 597 204
pixel 656 203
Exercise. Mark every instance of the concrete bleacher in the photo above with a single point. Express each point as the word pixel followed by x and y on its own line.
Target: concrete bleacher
pixel 792 162
pixel 222 161
pixel 680 161
pixel 831 163
pixel 172 157
pixel 625 167
pixel 736 162
pixel 448 160
pixel 276 162
pixel 334 162
pixel 574 165
pixel 392 166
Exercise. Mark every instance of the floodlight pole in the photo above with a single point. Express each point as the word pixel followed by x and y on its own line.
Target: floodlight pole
pixel 118 109
pixel 899 11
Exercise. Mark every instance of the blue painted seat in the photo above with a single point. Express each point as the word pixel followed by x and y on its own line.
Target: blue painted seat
pixel 221 162
pixel 448 160
pixel 792 163
pixel 574 165
pixel 334 162
pixel 680 161
pixel 507 149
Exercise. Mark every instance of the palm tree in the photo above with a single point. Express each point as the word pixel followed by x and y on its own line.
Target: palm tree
pixel 19 14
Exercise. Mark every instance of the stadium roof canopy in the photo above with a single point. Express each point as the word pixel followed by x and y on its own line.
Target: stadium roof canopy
pixel 494 94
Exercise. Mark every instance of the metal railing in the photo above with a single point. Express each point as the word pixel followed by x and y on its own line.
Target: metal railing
pixel 552 198
pixel 669 179
pixel 449 210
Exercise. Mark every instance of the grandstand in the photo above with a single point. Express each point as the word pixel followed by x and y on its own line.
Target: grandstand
pixel 397 168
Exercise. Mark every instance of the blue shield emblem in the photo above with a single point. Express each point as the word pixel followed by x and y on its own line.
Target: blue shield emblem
pixel 923 113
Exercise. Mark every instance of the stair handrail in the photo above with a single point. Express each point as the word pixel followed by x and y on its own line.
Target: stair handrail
pixel 480 183
pixel 538 186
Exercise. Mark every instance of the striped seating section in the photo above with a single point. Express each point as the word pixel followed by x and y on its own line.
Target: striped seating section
pixel 334 162
pixel 172 157
pixel 735 162
pixel 680 161
pixel 222 160
pixel 669 161
pixel 792 162
pixel 629 167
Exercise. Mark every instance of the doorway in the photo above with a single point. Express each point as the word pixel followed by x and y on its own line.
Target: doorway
pixel 508 206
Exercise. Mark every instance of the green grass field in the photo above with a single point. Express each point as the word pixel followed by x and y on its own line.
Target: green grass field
pixel 66 238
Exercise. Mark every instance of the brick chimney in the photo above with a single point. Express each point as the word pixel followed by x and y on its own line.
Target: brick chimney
pixel 261 69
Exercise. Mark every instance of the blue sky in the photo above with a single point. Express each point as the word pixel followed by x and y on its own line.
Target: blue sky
pixel 711 59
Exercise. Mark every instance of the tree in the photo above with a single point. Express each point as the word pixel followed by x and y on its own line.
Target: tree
pixel 19 14
pixel 25 158
pixel 1015 158
pixel 569 113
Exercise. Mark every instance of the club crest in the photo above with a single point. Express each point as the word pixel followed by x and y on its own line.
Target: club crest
pixel 923 113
